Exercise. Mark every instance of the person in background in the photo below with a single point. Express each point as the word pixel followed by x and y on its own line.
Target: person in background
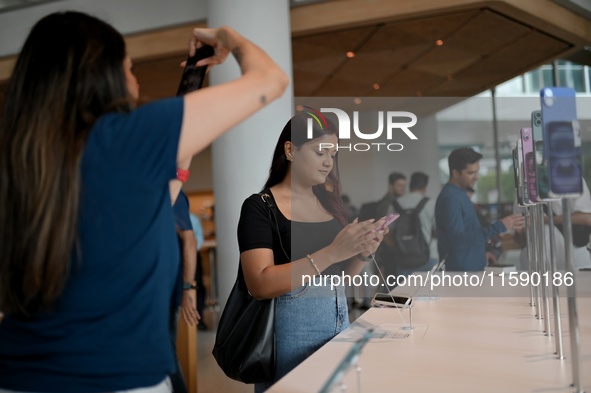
pixel 351 210
pixel 198 231
pixel 580 208
pixel 418 191
pixel 88 248
pixel 316 236
pixel 396 189
pixel 184 295
pixel 494 247
pixel 461 238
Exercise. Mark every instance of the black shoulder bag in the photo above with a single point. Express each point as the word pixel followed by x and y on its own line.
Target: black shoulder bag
pixel 245 341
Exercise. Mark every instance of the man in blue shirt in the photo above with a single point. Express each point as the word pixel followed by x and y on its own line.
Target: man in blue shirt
pixel 462 241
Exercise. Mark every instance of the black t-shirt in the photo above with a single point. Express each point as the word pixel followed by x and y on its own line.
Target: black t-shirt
pixel 257 228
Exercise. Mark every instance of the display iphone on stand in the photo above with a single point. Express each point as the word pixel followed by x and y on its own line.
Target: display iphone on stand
pixel 562 142
pixel 540 161
pixel 529 163
pixel 522 197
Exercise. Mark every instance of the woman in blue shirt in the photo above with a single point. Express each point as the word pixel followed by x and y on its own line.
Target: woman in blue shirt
pixel 88 251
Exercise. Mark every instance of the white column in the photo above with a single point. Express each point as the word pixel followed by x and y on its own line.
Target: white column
pixel 242 157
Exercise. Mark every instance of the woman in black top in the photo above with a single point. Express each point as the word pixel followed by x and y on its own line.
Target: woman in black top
pixel 313 223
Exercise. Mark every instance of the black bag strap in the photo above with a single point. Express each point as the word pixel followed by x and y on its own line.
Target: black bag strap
pixel 421 205
pixel 273 211
pixel 416 210
pixel 397 208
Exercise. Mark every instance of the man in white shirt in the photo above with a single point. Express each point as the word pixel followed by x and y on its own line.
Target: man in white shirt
pixel 418 190
pixel 580 215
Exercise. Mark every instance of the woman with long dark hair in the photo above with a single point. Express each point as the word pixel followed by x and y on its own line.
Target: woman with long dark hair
pixel 88 253
pixel 315 235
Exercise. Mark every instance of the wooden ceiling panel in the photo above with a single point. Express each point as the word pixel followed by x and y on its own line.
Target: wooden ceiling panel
pixel 343 88
pixel 433 28
pixel 512 60
pixel 328 45
pixel 486 34
pixel 444 60
pixel 458 88
pixel 409 83
pixel 369 68
pixel 306 82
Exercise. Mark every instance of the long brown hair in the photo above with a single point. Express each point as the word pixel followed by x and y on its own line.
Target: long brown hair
pixel 295 131
pixel 69 72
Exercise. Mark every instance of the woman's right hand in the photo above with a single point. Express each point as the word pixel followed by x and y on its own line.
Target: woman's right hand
pixel 355 238
pixel 222 39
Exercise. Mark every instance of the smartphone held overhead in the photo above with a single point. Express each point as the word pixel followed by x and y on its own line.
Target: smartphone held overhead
pixel 193 75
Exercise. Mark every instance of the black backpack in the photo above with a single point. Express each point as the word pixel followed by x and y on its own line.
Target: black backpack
pixel 410 246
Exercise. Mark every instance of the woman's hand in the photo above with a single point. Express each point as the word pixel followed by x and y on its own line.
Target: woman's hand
pixel 380 232
pixel 357 237
pixel 222 39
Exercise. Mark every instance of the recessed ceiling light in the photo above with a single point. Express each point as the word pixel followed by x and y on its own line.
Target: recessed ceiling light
pixel 439 42
pixel 350 55
pixel 376 86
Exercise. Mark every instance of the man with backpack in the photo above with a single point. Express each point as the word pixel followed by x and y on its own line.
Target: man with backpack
pixel 413 233
pixel 396 189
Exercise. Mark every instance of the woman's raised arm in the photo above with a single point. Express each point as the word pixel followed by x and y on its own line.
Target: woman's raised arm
pixel 210 112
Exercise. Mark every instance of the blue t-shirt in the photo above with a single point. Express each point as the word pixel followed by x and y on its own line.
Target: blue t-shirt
pixel 461 239
pixel 109 330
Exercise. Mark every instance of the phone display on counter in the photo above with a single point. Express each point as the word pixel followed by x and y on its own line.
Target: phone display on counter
pixel 540 163
pixel 529 164
pixel 518 168
pixel 562 142
pixel 565 158
pixel 387 300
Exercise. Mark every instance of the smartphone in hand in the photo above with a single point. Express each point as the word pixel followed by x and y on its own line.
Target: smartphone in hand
pixel 193 76
pixel 389 220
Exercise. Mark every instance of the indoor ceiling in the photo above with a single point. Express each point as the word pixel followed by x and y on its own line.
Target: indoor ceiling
pixel 456 54
pixel 434 53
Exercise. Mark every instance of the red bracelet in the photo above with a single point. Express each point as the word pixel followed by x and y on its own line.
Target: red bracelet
pixel 182 174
